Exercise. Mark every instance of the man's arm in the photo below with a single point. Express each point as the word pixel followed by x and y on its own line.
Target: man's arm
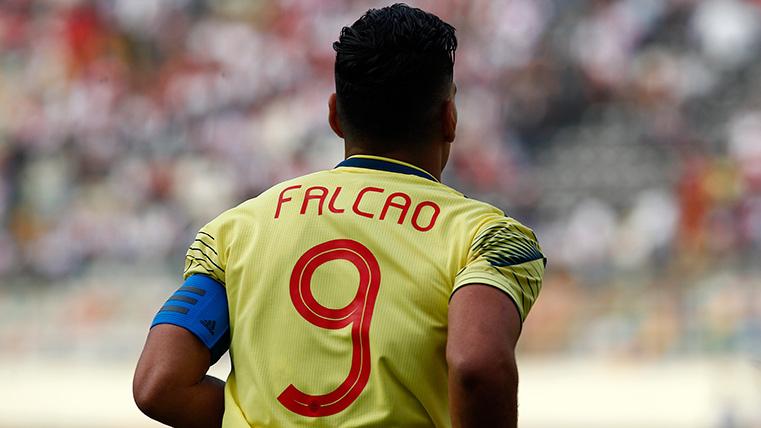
pixel 170 383
pixel 484 326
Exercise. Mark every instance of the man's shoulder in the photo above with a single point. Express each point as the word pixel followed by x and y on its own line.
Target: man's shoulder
pixel 274 192
pixel 476 210
pixel 479 207
pixel 482 218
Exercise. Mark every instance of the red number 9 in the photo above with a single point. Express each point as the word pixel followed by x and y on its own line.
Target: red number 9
pixel 357 313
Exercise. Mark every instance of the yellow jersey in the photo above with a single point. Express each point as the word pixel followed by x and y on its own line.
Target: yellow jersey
pixel 338 285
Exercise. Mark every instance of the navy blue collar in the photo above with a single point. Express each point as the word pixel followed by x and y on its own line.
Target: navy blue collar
pixel 385 164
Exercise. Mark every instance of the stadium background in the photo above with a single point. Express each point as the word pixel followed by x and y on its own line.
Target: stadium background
pixel 627 133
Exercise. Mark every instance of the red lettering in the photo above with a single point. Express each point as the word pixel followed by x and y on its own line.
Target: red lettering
pixel 332 204
pixel 281 199
pixel 361 194
pixel 308 196
pixel 390 203
pixel 419 209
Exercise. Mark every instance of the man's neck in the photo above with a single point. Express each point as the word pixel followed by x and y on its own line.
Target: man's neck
pixel 429 161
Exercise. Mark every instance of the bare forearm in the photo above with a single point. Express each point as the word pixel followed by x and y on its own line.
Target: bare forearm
pixel 200 405
pixel 484 399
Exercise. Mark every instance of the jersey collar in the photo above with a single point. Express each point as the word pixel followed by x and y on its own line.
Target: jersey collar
pixel 385 164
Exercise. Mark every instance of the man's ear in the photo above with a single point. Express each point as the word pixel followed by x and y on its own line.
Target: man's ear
pixel 335 125
pixel 449 120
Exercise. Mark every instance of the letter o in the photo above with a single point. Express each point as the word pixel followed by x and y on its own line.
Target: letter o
pixel 434 216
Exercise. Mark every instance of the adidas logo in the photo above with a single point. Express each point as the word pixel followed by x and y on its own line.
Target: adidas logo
pixel 210 325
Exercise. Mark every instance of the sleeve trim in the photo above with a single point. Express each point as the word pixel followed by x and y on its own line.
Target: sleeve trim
pixel 475 279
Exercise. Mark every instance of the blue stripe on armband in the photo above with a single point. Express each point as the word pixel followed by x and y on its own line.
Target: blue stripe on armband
pixel 200 306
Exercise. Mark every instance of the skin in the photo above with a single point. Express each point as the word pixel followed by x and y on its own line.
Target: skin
pixel 171 386
pixel 170 383
pixel 431 157
pixel 484 327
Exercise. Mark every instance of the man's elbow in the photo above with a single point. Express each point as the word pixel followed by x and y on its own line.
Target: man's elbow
pixel 481 373
pixel 149 392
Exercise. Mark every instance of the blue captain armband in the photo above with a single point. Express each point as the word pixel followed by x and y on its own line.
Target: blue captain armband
pixel 200 306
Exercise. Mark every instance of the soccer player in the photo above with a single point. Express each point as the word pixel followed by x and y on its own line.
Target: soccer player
pixel 365 295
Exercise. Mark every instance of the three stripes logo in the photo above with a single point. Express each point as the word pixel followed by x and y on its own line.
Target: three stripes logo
pixel 210 325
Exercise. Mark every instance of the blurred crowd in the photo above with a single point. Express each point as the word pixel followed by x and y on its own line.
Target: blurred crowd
pixel 628 133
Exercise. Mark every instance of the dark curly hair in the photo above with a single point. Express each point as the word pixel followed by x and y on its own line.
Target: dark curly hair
pixel 394 67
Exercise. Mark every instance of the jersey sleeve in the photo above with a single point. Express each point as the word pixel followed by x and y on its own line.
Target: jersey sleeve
pixel 206 254
pixel 506 255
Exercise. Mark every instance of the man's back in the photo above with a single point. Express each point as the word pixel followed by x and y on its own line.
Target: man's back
pixel 368 295
pixel 338 286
